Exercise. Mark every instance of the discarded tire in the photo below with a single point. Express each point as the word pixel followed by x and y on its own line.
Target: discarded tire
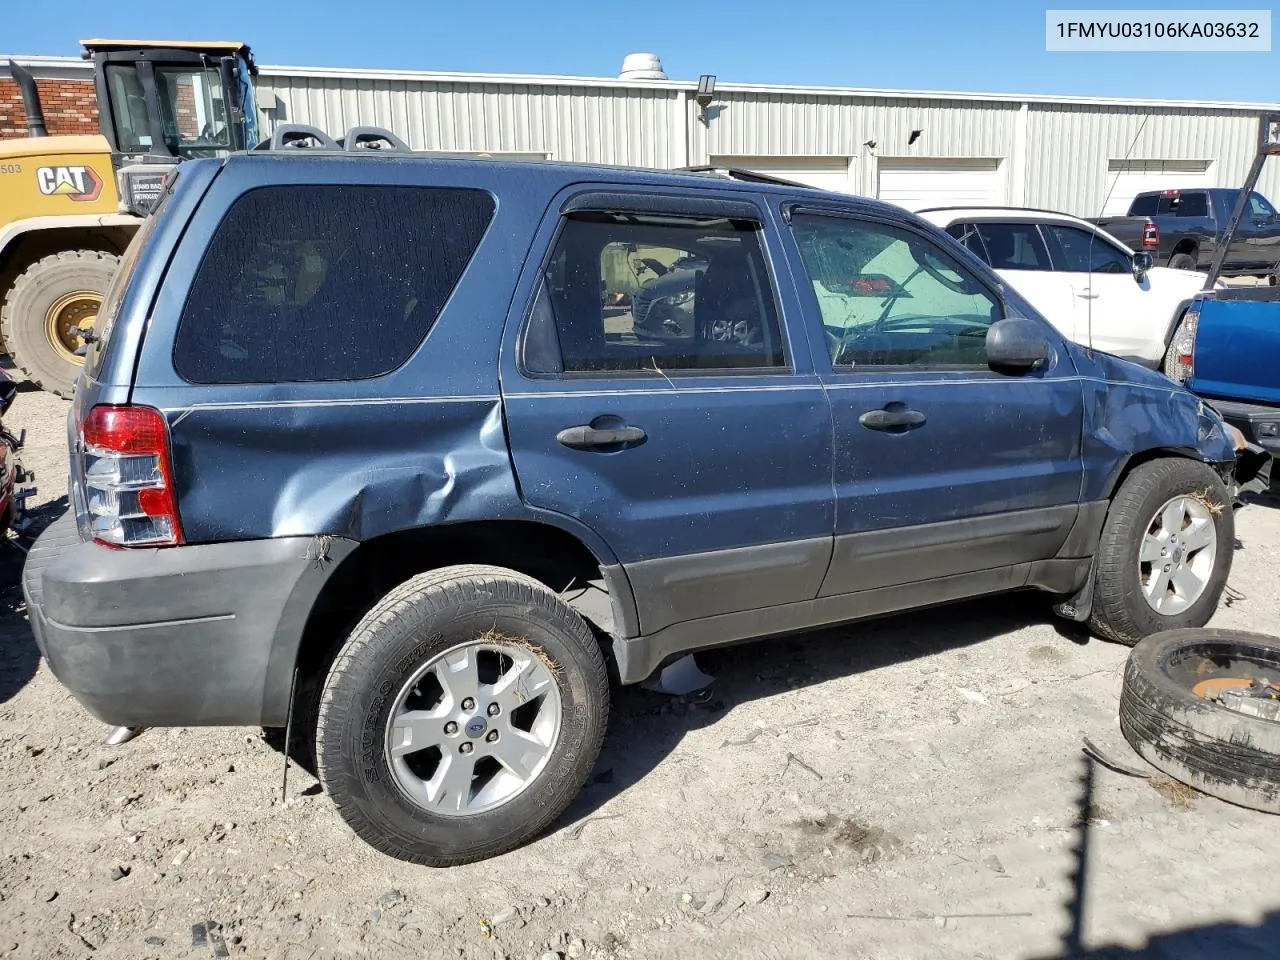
pixel 1230 752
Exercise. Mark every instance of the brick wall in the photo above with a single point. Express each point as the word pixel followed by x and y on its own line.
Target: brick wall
pixel 69 107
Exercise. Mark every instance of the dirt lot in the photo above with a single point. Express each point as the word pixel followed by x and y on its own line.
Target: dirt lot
pixel 908 788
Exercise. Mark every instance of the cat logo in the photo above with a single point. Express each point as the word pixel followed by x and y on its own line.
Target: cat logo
pixel 78 183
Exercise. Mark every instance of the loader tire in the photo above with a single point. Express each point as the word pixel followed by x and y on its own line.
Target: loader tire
pixel 46 304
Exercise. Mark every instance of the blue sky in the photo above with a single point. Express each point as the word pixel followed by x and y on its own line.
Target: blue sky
pixel 992 46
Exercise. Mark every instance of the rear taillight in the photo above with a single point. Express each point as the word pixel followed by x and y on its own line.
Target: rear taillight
pixel 128 477
pixel 1150 236
pixel 1180 364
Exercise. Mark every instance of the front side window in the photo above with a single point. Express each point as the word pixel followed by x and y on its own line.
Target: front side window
pixel 967 234
pixel 1014 246
pixel 307 282
pixel 889 297
pixel 1079 251
pixel 1262 210
pixel 627 292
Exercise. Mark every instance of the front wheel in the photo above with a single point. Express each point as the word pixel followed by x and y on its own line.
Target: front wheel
pixel 462 716
pixel 1165 552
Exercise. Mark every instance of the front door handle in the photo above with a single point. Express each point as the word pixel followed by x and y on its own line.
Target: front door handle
pixel 587 437
pixel 1087 296
pixel 889 419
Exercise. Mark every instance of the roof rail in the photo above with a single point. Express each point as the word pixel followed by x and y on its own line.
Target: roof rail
pixel 300 136
pixel 751 176
pixel 990 206
pixel 369 138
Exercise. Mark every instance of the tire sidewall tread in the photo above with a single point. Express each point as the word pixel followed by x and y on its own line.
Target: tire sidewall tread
pixel 22 324
pixel 413 623
pixel 1220 752
pixel 1120 612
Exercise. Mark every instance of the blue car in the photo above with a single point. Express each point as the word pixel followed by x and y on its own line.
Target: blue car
pixel 368 433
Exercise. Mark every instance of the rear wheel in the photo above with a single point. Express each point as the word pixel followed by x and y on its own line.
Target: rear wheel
pixel 1182 261
pixel 1165 551
pixel 48 309
pixel 462 716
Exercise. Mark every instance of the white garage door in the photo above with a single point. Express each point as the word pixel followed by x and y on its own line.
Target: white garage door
pixel 828 173
pixel 916 184
pixel 1128 178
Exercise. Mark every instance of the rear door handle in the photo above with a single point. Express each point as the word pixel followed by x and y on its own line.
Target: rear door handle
pixel 587 437
pixel 888 419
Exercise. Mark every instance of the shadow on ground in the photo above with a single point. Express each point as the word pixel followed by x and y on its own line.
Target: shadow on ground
pixel 1226 940
pixel 645 727
pixel 19 656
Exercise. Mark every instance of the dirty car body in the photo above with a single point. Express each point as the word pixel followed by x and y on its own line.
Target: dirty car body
pixel 677 501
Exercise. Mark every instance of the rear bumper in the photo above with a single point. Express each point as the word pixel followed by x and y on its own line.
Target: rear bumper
pixel 196 635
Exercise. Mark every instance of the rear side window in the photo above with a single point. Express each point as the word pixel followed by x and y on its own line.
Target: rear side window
pixel 315 282
pixel 1144 206
pixel 1193 205
pixel 624 293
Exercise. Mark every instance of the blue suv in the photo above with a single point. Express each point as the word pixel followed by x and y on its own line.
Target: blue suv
pixel 379 434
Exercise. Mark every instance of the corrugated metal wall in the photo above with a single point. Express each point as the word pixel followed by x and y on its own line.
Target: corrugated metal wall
pixel 1069 148
pixel 1063 165
pixel 627 125
pixel 751 124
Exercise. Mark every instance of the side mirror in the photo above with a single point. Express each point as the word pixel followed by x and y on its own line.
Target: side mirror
pixel 1142 262
pixel 1016 343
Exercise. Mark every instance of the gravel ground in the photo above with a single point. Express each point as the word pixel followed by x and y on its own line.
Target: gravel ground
pixel 907 788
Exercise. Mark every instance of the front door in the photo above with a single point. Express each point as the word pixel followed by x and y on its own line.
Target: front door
pixel 1263 233
pixel 1017 252
pixel 656 394
pixel 1113 308
pixel 944 468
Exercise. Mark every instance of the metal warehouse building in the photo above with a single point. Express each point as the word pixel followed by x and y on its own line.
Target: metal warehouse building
pixel 911 147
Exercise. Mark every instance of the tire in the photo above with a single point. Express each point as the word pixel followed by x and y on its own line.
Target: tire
pixel 1182 261
pixel 1121 611
pixel 36 291
pixel 1219 751
pixel 410 629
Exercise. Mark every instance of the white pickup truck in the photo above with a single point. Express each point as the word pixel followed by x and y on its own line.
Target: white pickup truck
pixel 1084 281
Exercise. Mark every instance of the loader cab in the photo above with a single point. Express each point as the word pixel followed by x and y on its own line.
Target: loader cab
pixel 160 102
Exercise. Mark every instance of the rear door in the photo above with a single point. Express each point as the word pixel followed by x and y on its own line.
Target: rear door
pixel 944 468
pixel 696 443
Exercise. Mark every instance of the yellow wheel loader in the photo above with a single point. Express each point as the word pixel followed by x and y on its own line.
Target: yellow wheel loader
pixel 69 205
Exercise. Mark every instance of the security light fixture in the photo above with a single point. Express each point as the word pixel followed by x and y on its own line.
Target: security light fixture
pixel 915 135
pixel 706 93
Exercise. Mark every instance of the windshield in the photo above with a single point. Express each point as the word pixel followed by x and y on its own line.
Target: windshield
pixel 193 110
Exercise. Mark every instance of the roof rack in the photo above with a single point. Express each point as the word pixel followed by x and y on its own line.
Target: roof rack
pixel 751 176
pixel 300 136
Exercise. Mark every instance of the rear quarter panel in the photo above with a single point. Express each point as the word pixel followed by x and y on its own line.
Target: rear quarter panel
pixel 360 458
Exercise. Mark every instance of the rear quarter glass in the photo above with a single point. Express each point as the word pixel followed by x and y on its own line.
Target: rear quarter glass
pixel 319 282
pixel 113 299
